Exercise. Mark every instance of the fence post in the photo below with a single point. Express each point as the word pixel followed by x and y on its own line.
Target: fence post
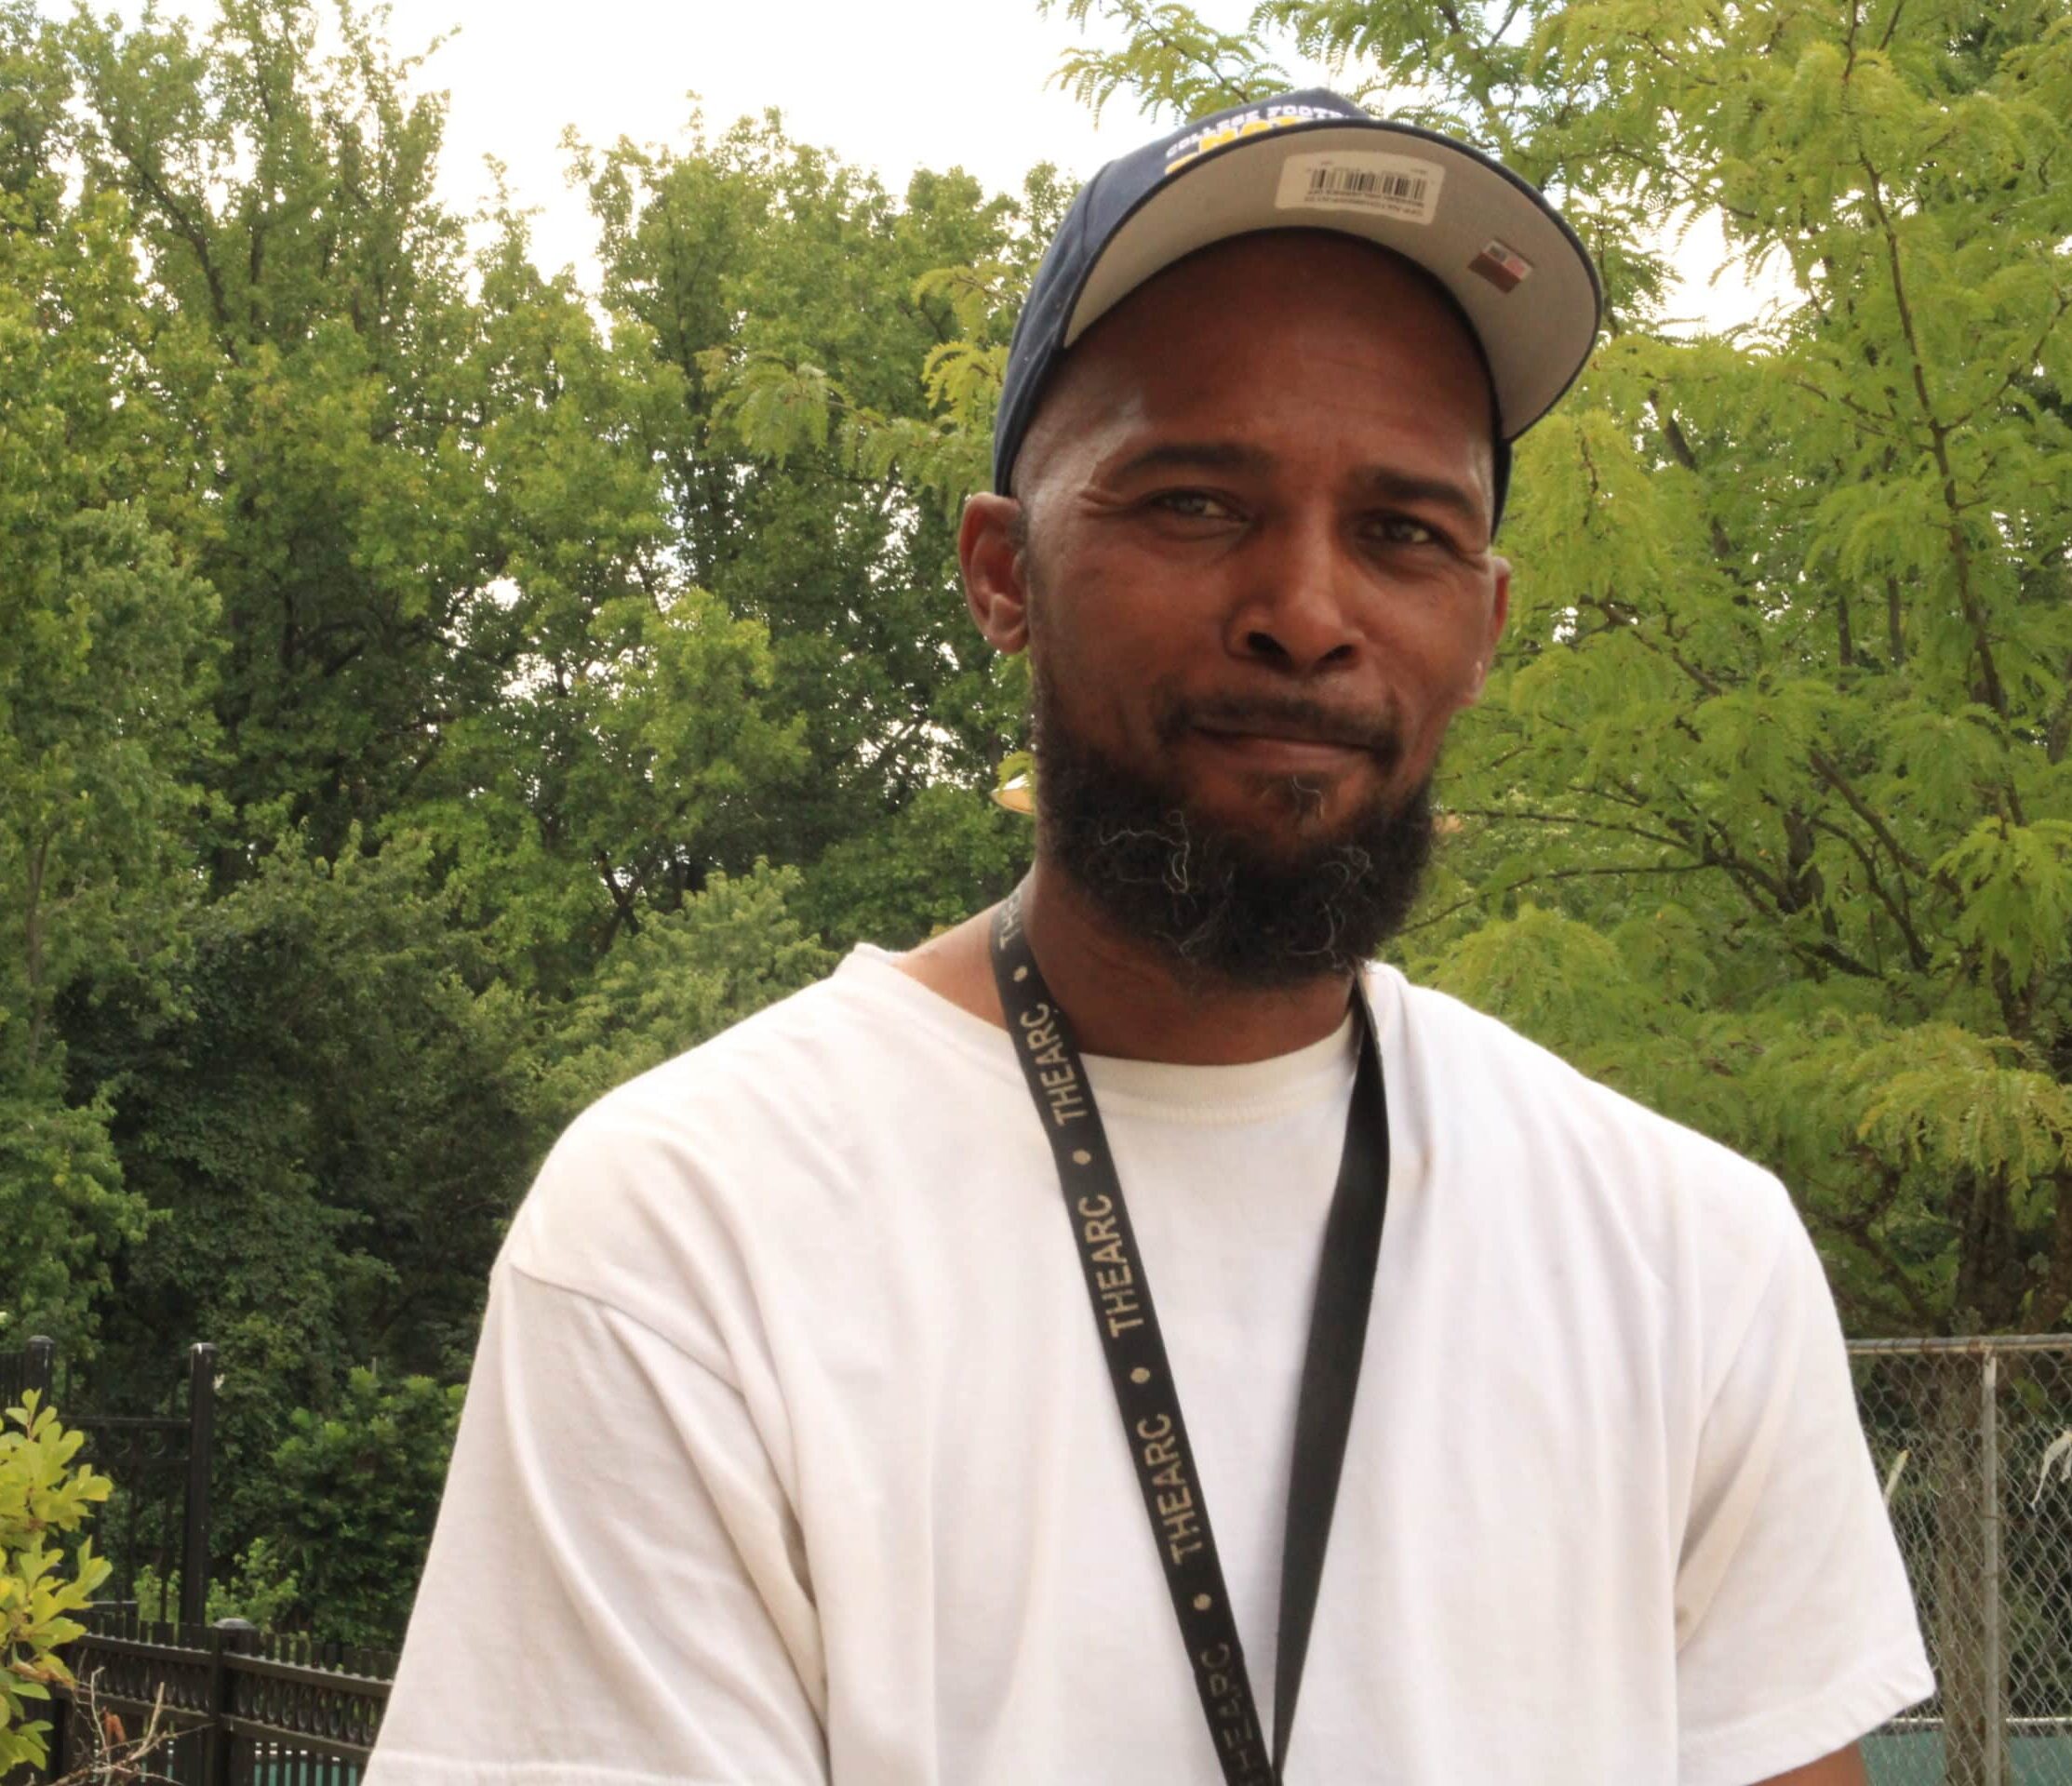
pixel 226 1637
pixel 1991 1664
pixel 201 1441
pixel 39 1361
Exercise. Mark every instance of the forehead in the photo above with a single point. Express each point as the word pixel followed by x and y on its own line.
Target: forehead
pixel 1288 327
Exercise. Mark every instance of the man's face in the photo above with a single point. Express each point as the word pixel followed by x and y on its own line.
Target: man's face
pixel 1257 583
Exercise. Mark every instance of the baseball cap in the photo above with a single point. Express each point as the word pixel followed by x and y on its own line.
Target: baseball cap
pixel 1522 281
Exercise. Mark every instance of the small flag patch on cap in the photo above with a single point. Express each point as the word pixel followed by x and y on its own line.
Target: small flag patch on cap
pixel 1502 266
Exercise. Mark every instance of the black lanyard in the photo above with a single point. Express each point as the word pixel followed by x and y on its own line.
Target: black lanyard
pixel 1143 1385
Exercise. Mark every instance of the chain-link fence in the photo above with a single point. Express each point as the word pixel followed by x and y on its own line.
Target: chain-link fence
pixel 1972 1440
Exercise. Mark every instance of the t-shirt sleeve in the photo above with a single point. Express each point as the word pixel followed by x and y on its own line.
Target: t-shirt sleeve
pixel 616 1588
pixel 1795 1627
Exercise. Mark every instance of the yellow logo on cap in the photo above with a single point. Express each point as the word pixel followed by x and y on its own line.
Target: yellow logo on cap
pixel 1246 124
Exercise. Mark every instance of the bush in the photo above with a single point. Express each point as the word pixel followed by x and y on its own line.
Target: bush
pixel 41 1496
pixel 261 1587
pixel 359 1490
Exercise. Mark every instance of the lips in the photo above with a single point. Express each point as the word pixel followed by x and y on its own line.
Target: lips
pixel 1337 740
pixel 1302 734
pixel 1284 752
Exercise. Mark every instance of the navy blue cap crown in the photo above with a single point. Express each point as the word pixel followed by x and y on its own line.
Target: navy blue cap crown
pixel 1492 195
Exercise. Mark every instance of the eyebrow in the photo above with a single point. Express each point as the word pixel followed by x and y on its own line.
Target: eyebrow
pixel 1198 455
pixel 1240 457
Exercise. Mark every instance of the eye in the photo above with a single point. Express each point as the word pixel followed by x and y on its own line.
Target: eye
pixel 1404 530
pixel 1196 505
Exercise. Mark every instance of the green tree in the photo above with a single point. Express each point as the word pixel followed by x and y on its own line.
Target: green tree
pixel 450 598
pixel 728 950
pixel 331 1134
pixel 629 745
pixel 799 315
pixel 104 633
pixel 306 319
pixel 412 677
pixel 259 1586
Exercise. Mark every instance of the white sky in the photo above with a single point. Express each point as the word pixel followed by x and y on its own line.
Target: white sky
pixel 891 85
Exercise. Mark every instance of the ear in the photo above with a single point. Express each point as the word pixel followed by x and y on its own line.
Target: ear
pixel 1500 611
pixel 996 581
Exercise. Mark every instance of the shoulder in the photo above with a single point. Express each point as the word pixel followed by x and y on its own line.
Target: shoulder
pixel 756 1083
pixel 1520 1088
pixel 657 1198
pixel 1484 1101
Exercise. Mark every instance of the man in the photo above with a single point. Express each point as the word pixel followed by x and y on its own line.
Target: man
pixel 825 1425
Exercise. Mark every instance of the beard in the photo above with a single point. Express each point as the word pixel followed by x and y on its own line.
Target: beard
pixel 1225 903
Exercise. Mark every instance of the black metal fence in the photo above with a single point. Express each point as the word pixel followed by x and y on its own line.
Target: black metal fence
pixel 215 1705
pixel 154 1458
pixel 31 1368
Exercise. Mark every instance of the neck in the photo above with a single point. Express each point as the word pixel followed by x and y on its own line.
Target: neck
pixel 1125 997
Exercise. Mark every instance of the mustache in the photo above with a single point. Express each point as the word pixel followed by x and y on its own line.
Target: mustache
pixel 1278 715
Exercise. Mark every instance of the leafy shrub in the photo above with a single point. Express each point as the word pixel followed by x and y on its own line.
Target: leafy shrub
pixel 259 1587
pixel 42 1497
pixel 359 1490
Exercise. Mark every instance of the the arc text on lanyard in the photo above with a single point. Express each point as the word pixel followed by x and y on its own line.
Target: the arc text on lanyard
pixel 1128 1323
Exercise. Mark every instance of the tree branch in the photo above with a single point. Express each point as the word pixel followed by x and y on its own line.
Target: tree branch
pixel 1994 695
pixel 1916 953
pixel 1557 874
pixel 1830 772
pixel 1500 813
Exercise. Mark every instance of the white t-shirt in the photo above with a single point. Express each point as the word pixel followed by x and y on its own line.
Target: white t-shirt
pixel 790 1455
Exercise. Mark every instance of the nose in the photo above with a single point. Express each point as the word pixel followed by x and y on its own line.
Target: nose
pixel 1298 614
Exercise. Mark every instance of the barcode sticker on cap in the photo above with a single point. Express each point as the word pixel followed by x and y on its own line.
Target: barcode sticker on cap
pixel 1396 186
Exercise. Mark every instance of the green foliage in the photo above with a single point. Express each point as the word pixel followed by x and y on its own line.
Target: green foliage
pixel 105 650
pixel 2015 882
pixel 421 704
pixel 728 951
pixel 650 729
pixel 309 333
pixel 359 1490
pixel 63 1209
pixel 1765 813
pixel 43 1495
pixel 259 1587
pixel 331 1134
pixel 924 868
pixel 835 354
pixel 1550 975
